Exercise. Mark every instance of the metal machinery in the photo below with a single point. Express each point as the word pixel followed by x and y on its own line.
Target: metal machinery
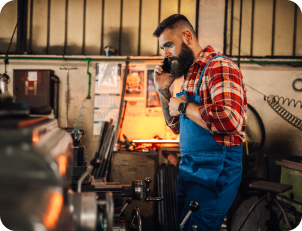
pixel 38 167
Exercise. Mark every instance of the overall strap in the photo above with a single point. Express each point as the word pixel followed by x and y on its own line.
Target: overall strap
pixel 200 79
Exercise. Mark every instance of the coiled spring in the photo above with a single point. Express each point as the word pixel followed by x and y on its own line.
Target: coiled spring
pixel 274 101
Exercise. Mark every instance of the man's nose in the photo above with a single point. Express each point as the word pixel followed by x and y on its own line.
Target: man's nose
pixel 167 52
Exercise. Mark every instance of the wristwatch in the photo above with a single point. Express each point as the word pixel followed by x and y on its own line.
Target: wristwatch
pixel 182 107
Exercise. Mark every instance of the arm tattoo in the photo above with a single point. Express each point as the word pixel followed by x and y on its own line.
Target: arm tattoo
pixel 165 96
pixel 165 93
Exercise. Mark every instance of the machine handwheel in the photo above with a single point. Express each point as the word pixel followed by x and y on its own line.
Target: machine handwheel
pixel 136 220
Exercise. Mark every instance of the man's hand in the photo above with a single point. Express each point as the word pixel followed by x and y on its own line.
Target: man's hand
pixel 162 79
pixel 174 104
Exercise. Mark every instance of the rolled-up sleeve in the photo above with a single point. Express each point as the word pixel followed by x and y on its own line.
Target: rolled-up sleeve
pixel 174 125
pixel 226 112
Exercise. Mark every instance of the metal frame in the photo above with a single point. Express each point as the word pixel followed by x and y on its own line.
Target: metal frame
pixel 272 55
pixel 83 52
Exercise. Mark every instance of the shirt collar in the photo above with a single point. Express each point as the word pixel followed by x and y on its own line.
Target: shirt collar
pixel 205 56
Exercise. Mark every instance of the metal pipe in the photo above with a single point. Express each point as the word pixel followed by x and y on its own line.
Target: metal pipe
pixel 151 59
pixel 84 175
pixel 273 28
pixel 121 29
pixel 232 25
pixel 225 26
pixel 252 27
pixel 48 26
pixel 139 28
pixel 197 17
pixel 88 60
pixel 55 92
pixel 295 30
pixel 89 79
pixel 121 102
pixel 240 27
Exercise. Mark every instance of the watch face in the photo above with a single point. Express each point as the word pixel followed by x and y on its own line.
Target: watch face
pixel 181 107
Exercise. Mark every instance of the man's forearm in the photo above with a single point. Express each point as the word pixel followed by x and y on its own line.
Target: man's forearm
pixel 192 112
pixel 164 96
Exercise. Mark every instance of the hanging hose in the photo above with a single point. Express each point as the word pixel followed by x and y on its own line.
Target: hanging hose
pixel 78 122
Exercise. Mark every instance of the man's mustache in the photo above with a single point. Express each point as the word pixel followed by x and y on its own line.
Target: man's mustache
pixel 170 59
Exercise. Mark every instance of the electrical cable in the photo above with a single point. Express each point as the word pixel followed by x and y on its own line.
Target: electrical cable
pixel 275 101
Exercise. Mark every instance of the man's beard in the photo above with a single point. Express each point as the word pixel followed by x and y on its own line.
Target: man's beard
pixel 183 62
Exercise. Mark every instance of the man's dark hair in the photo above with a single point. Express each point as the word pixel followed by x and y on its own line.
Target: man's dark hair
pixel 174 22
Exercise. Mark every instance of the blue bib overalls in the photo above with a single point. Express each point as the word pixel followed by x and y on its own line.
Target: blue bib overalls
pixel 209 173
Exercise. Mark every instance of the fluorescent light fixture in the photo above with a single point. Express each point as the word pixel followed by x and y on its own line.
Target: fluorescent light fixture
pixel 155 141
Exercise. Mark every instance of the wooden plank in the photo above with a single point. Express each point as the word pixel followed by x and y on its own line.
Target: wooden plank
pixel 57 27
pixel 263 31
pixel 129 40
pixel 148 26
pixel 75 27
pixel 285 12
pixel 112 13
pixel 39 27
pixel 93 27
pixel 270 186
pixel 290 164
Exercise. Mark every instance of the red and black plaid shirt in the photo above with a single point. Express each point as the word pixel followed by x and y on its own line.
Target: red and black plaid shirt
pixel 222 96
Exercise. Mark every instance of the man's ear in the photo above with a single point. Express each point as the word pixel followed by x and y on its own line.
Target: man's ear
pixel 188 37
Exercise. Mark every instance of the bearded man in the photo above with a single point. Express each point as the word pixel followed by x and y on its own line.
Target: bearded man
pixel 209 114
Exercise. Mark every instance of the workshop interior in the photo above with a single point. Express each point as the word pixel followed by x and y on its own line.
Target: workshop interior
pixel 84 144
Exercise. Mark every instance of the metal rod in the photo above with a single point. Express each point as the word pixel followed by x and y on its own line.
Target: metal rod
pixel 185 220
pixel 249 213
pixel 295 30
pixel 232 26
pixel 284 214
pixel 84 27
pixel 179 1
pixel 252 27
pixel 66 20
pixel 18 19
pixel 48 26
pixel 84 175
pixel 159 12
pixel 240 28
pixel 102 28
pixel 30 26
pixel 273 28
pixel 62 58
pixel 121 28
pixel 22 26
pixel 67 91
pixel 121 102
pixel 197 18
pixel 89 79
pixel 225 26
pixel 139 28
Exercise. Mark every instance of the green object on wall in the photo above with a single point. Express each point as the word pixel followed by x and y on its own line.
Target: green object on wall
pixel 294 178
